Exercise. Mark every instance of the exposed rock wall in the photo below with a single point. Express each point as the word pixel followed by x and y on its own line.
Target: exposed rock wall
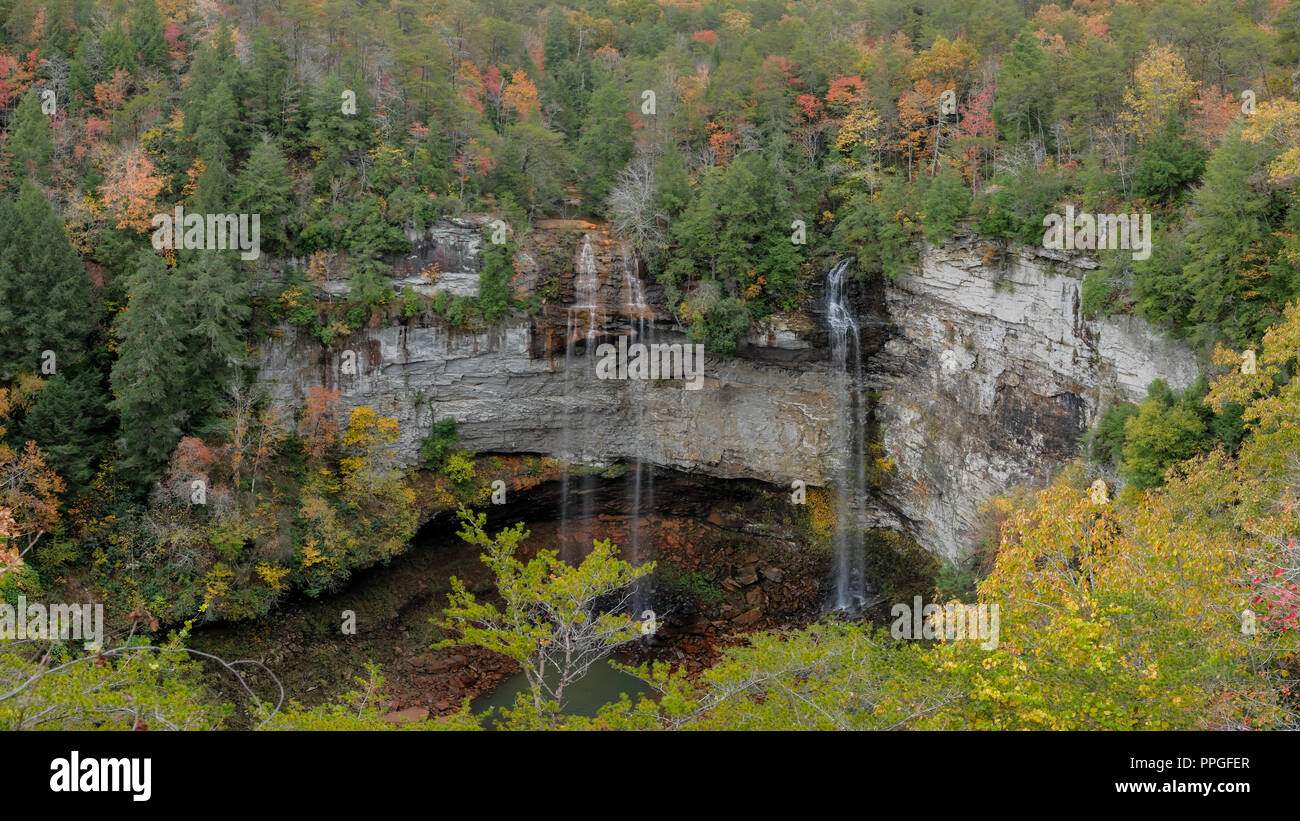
pixel 986 377
pixel 750 420
pixel 991 375
pixel 764 415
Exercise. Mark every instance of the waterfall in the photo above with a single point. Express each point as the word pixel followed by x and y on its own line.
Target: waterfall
pixel 566 440
pixel 587 294
pixel 586 290
pixel 641 495
pixel 634 299
pixel 849 572
pixel 578 375
pixel 586 299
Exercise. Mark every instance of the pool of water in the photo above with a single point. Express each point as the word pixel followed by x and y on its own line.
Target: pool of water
pixel 601 685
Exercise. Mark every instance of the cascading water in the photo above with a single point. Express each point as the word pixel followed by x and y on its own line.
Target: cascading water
pixel 577 414
pixel 849 571
pixel 634 299
pixel 586 289
pixel 641 494
pixel 586 293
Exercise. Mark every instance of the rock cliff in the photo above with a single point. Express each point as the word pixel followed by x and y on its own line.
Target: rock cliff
pixel 990 376
pixel 986 376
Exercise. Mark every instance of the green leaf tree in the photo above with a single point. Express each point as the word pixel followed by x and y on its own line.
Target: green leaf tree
pixel 556 620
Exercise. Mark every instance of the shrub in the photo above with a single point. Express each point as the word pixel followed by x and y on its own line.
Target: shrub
pixel 437 445
pixel 460 467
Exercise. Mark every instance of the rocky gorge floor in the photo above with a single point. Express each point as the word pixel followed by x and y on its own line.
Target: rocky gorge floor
pixel 733 557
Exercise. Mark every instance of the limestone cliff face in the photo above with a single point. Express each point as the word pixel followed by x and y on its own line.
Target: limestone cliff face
pixel 990 375
pixel 763 415
pixel 986 378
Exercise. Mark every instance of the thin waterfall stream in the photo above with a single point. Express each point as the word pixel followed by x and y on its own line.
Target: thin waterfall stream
pixel 586 292
pixel 849 438
pixel 641 325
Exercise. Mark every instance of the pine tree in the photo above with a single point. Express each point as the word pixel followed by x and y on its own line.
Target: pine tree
pixel 737 232
pixel 606 143
pixel 273 98
pixel 1168 163
pixel 210 104
pixel 1024 93
pixel 29 149
pixel 214 133
pixel 147 32
pixel 119 51
pixel 494 281
pixel 944 200
pixel 265 187
pixel 564 81
pixel 672 184
pixel 148 377
pixel 1287 24
pixel 215 308
pixel 44 289
pixel 180 346
pixel 333 135
pixel 1232 238
pixel 68 422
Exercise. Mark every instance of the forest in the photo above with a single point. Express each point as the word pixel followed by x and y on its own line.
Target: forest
pixel 704 133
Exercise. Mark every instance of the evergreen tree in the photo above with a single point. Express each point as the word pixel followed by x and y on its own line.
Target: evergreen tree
pixel 1168 163
pixel 369 233
pixel 265 187
pixel 179 347
pixel 210 104
pixel 119 51
pixel 565 80
pixel 149 375
pixel 1023 106
pixel 1287 24
pixel 534 166
pixel 1232 271
pixel 606 143
pixel 69 422
pixel 216 306
pixel 672 185
pixel 218 116
pixel 335 137
pixel 29 148
pixel 45 298
pixel 737 232
pixel 494 281
pixel 274 99
pixel 944 200
pixel 147 32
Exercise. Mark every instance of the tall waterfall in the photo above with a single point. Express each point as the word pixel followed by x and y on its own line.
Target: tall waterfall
pixel 849 571
pixel 586 293
pixel 642 492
